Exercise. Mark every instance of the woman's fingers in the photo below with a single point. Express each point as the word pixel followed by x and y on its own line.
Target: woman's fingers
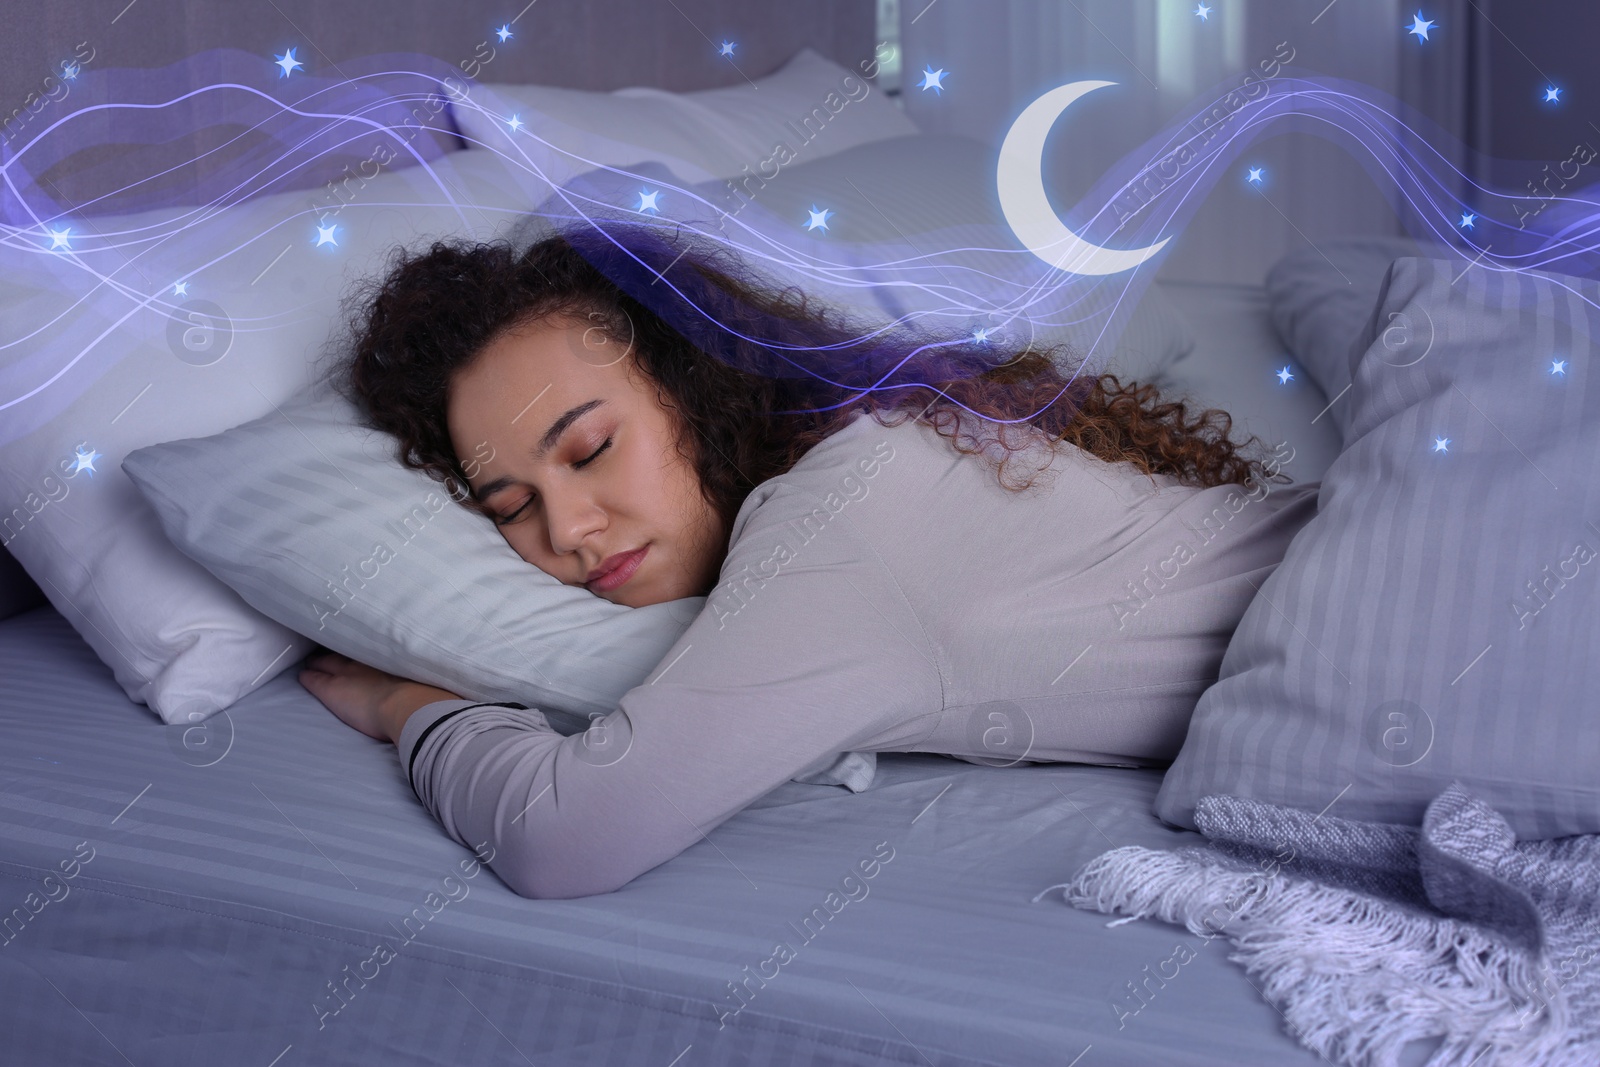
pixel 327 661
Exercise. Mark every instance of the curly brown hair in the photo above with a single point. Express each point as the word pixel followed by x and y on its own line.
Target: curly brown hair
pixel 756 374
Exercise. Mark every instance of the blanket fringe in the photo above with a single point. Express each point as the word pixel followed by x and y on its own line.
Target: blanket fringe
pixel 1356 977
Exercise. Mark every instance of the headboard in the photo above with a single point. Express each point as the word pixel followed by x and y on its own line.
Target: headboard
pixel 578 44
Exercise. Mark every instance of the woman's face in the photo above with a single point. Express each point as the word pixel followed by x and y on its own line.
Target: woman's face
pixel 563 439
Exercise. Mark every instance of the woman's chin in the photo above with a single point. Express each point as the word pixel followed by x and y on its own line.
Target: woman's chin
pixel 635 598
pixel 646 595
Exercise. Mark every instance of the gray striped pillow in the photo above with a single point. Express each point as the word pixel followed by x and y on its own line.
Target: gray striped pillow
pixel 1437 620
pixel 1320 296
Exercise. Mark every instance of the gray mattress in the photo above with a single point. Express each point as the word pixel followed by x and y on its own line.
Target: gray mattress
pixel 242 867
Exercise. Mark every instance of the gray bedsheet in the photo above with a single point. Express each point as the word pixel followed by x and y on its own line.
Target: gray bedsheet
pixel 224 877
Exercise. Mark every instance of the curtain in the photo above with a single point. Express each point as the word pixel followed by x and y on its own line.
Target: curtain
pixel 1002 54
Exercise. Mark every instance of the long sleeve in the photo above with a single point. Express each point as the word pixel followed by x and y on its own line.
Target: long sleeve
pixel 808 647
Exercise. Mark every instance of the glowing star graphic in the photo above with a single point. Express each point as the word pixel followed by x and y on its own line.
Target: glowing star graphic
pixel 1552 95
pixel 819 219
pixel 61 239
pixel 933 79
pixel 1203 13
pixel 647 201
pixel 69 71
pixel 1441 444
pixel 325 235
pixel 981 334
pixel 84 461
pixel 1467 220
pixel 1254 177
pixel 726 49
pixel 504 33
pixel 180 288
pixel 1420 27
pixel 1284 376
pixel 515 122
pixel 1019 180
pixel 1558 366
pixel 288 62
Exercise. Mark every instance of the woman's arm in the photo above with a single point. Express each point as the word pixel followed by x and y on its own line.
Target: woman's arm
pixel 788 662
pixel 375 702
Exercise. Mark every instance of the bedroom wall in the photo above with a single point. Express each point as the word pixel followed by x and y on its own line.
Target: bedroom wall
pixel 1487 90
pixel 1534 43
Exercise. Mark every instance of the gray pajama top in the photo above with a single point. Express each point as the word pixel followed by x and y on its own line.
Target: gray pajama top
pixel 887 594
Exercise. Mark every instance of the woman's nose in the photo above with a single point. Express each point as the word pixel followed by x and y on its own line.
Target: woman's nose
pixel 572 522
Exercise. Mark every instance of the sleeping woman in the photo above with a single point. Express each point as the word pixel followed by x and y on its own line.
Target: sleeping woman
pixel 905 545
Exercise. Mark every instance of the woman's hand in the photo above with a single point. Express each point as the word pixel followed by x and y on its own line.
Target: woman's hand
pixel 372 701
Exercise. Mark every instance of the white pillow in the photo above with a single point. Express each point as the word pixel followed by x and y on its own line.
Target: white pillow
pixel 175 637
pixel 309 515
pixel 718 131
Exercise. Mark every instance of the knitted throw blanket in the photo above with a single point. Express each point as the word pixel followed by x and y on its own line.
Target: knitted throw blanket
pixel 1368 935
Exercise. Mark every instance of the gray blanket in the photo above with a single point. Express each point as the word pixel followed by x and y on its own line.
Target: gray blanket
pixel 1367 936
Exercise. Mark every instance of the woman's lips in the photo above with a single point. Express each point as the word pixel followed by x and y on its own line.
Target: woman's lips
pixel 620 573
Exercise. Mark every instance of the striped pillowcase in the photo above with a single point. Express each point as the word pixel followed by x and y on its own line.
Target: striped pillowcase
pixel 307 514
pixel 1436 621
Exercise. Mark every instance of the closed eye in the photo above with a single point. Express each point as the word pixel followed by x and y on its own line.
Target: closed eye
pixel 503 520
pixel 582 463
pixel 579 465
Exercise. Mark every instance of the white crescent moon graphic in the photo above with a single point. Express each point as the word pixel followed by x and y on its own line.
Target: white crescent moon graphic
pixel 1020 181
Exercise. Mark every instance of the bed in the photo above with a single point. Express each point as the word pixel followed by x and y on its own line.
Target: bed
pixel 226 900
pixel 245 867
pixel 231 880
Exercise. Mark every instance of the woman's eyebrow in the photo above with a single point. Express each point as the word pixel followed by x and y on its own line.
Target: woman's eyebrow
pixel 546 443
pixel 487 491
pixel 557 428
